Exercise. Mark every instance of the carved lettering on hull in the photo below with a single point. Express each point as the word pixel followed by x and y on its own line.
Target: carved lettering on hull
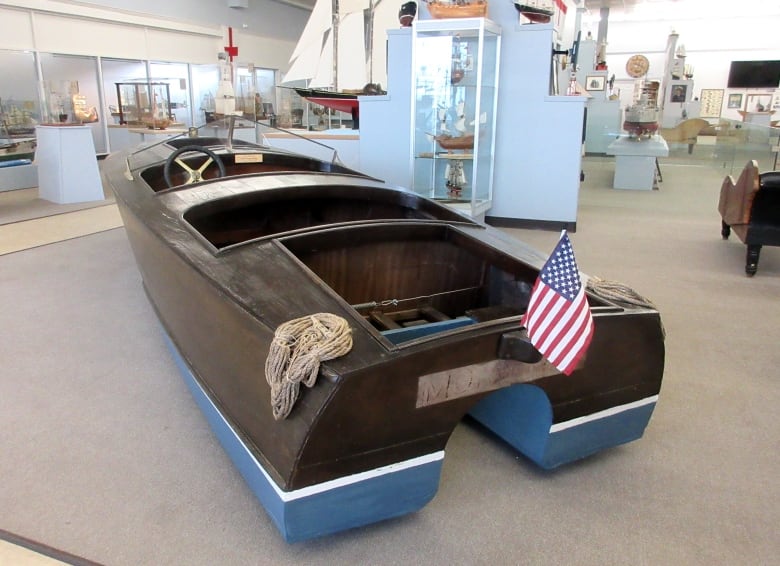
pixel 444 386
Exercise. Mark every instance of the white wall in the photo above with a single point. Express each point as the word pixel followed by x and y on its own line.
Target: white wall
pixel 78 28
pixel 713 33
pixel 264 18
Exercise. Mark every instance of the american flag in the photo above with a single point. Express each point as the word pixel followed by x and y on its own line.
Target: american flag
pixel 558 318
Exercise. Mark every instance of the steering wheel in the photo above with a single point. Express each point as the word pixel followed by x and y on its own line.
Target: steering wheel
pixel 193 175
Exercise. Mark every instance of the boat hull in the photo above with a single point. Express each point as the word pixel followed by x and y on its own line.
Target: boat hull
pixel 224 263
pixel 329 507
pixel 536 14
pixel 339 101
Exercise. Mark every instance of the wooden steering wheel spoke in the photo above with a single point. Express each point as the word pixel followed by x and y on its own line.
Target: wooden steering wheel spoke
pixel 193 175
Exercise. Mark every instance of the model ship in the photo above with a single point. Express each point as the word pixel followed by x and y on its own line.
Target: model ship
pixel 412 313
pixel 16 121
pixel 641 118
pixel 460 140
pixel 443 9
pixel 407 13
pixel 15 149
pixel 537 11
pixel 334 55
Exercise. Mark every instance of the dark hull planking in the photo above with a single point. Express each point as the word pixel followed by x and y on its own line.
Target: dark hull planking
pixel 226 262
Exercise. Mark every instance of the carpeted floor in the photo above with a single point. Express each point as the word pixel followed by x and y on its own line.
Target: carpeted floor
pixel 24 204
pixel 105 455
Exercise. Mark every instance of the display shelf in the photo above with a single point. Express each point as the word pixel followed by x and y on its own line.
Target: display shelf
pixel 454 92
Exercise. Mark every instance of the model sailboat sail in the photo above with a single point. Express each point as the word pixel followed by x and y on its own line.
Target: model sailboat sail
pixel 334 55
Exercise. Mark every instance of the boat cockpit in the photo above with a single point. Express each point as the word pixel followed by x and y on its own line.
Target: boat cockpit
pixel 193 158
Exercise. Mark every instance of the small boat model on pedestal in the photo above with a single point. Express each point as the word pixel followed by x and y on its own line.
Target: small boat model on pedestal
pixel 239 243
pixel 641 118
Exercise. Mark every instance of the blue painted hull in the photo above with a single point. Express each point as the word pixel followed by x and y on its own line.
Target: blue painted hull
pixel 522 416
pixel 333 506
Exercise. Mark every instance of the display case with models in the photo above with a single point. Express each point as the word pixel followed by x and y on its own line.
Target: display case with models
pixel 144 104
pixel 454 92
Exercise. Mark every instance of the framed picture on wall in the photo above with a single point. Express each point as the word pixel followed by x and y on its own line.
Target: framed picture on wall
pixel 735 101
pixel 595 83
pixel 711 102
pixel 679 93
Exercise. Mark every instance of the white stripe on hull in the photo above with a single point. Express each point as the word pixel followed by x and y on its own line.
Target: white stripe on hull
pixel 603 414
pixel 335 483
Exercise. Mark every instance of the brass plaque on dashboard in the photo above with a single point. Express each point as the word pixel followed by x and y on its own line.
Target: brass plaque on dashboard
pixel 249 158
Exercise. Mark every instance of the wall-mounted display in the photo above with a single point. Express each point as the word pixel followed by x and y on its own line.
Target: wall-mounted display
pixel 735 101
pixel 595 83
pixel 679 93
pixel 637 66
pixel 711 102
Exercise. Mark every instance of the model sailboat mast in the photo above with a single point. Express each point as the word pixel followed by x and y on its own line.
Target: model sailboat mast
pixel 325 55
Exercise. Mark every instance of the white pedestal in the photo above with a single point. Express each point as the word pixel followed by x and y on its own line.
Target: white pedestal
pixel 67 165
pixel 635 161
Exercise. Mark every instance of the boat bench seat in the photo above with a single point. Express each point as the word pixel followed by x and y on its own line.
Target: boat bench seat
pixel 751 208
pixel 403 334
pixel 415 323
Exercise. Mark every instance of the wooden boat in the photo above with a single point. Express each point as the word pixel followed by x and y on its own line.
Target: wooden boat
pixel 432 300
pixel 442 9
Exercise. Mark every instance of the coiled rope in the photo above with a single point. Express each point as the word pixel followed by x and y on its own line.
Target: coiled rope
pixel 617 293
pixel 295 354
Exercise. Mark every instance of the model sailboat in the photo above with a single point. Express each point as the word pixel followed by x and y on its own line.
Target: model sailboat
pixel 334 55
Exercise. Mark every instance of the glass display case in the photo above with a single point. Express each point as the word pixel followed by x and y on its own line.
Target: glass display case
pixel 454 93
pixel 144 104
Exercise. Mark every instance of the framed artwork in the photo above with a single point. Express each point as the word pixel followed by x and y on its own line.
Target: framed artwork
pixel 679 93
pixel 735 101
pixel 711 102
pixel 595 83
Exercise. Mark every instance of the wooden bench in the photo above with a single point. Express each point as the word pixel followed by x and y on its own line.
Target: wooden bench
pixel 751 208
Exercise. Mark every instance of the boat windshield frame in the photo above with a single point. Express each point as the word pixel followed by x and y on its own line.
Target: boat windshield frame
pixel 158 151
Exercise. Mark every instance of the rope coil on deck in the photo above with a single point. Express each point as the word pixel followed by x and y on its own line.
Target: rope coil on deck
pixel 295 354
pixel 617 293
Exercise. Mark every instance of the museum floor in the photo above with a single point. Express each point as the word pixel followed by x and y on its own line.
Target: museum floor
pixel 106 457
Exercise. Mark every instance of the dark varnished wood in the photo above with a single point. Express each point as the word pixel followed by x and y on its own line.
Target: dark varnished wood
pixel 225 263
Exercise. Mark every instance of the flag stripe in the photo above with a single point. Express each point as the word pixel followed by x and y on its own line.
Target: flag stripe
pixel 572 327
pixel 558 318
pixel 575 343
